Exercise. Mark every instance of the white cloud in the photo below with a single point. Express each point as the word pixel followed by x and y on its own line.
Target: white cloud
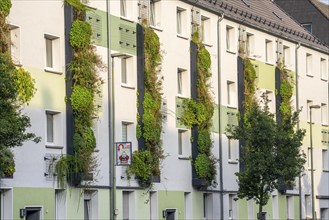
pixel 325 1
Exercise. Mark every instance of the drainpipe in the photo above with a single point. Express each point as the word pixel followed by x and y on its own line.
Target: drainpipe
pixel 297 107
pixel 219 104
pixel 110 113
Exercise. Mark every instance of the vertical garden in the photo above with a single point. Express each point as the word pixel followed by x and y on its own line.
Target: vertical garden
pixel 86 85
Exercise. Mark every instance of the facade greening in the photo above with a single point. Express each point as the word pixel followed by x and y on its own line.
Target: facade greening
pixel 33 189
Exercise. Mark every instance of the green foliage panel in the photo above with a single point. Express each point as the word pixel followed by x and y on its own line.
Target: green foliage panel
pixel 179 112
pixel 43 197
pixel 118 34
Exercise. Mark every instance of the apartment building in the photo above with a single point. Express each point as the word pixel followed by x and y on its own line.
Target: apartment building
pixel 41 45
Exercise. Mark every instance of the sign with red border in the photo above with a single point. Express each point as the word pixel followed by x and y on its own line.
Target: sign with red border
pixel 123 155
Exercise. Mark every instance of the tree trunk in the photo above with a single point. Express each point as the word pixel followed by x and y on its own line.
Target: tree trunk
pixel 260 210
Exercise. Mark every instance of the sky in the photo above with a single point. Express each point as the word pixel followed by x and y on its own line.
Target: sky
pixel 325 1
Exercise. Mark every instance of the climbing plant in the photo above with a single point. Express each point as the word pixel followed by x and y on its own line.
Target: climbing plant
pixel 16 89
pixel 146 162
pixel 199 113
pixel 86 85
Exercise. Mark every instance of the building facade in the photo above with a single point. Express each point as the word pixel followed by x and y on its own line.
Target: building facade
pixel 41 45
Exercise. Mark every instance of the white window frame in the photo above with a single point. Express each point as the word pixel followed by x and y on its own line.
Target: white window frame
pixel 127 72
pixel 309 65
pixel 15 44
pixel 324 114
pixel 57 129
pixel 123 8
pixel 231 94
pixel 205 29
pixel 325 160
pixel 230 39
pixel 269 51
pixel 182 142
pixel 52 53
pixel 308 104
pixel 182 83
pixel 127 126
pixel 324 69
pixel 286 56
pixel 250 45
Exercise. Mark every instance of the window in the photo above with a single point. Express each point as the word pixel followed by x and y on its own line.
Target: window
pixel 275 206
pixel 290 207
pixel 232 206
pixel 308 207
pixel 250 44
pixel 308 104
pixel 230 38
pixel 155 13
pixel 324 114
pixel 270 98
pixel 232 151
pixel 33 213
pixel 154 205
pixel 52 52
pixel 286 56
pixel 207 205
pixel 127 205
pixel 126 70
pixel 205 29
pixel 126 129
pixel 53 129
pixel 268 51
pixel 308 27
pixel 182 82
pixel 123 8
pixel 325 160
pixel 87 209
pixel 60 204
pixel 188 205
pixel 309 64
pixel 14 47
pixel 323 69
pixel 181 21
pixel 231 94
pixel 182 142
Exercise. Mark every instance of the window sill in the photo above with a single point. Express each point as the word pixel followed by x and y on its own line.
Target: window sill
pixel 96 150
pixel 182 96
pixel 126 19
pixel 182 36
pixel 18 64
pixel 232 162
pixel 323 79
pixel 156 28
pixel 269 63
pixel 309 75
pixel 232 107
pixel 231 52
pixel 53 146
pixel 207 44
pixel 184 158
pixel 123 85
pixel 324 124
pixel 325 171
pixel 49 70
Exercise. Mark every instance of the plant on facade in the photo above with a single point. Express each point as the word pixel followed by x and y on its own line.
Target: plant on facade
pixel 86 85
pixel 199 113
pixel 16 88
pixel 271 150
pixel 146 163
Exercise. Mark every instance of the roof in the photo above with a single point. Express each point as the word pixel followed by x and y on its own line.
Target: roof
pixel 264 15
pixel 323 8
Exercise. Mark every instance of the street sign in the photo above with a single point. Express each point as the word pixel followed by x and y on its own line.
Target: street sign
pixel 123 156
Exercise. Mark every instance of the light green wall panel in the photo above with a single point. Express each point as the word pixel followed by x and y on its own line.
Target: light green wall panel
pixel 296 207
pixel 243 209
pixel 197 205
pixel 228 116
pixel 265 74
pixel 34 197
pixel 142 208
pixel 98 22
pixel 50 90
pixel 123 35
pixel 103 204
pixel 171 199
pixel 282 207
pixel 316 134
pixel 74 203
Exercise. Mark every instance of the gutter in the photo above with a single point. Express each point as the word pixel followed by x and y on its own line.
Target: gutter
pixel 297 107
pixel 221 199
pixel 110 114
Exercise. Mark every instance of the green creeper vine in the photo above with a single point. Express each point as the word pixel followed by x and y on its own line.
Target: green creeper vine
pixel 286 93
pixel 86 85
pixel 249 87
pixel 199 113
pixel 16 89
pixel 146 163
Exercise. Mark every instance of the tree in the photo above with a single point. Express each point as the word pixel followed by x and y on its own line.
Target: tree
pixel 270 152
